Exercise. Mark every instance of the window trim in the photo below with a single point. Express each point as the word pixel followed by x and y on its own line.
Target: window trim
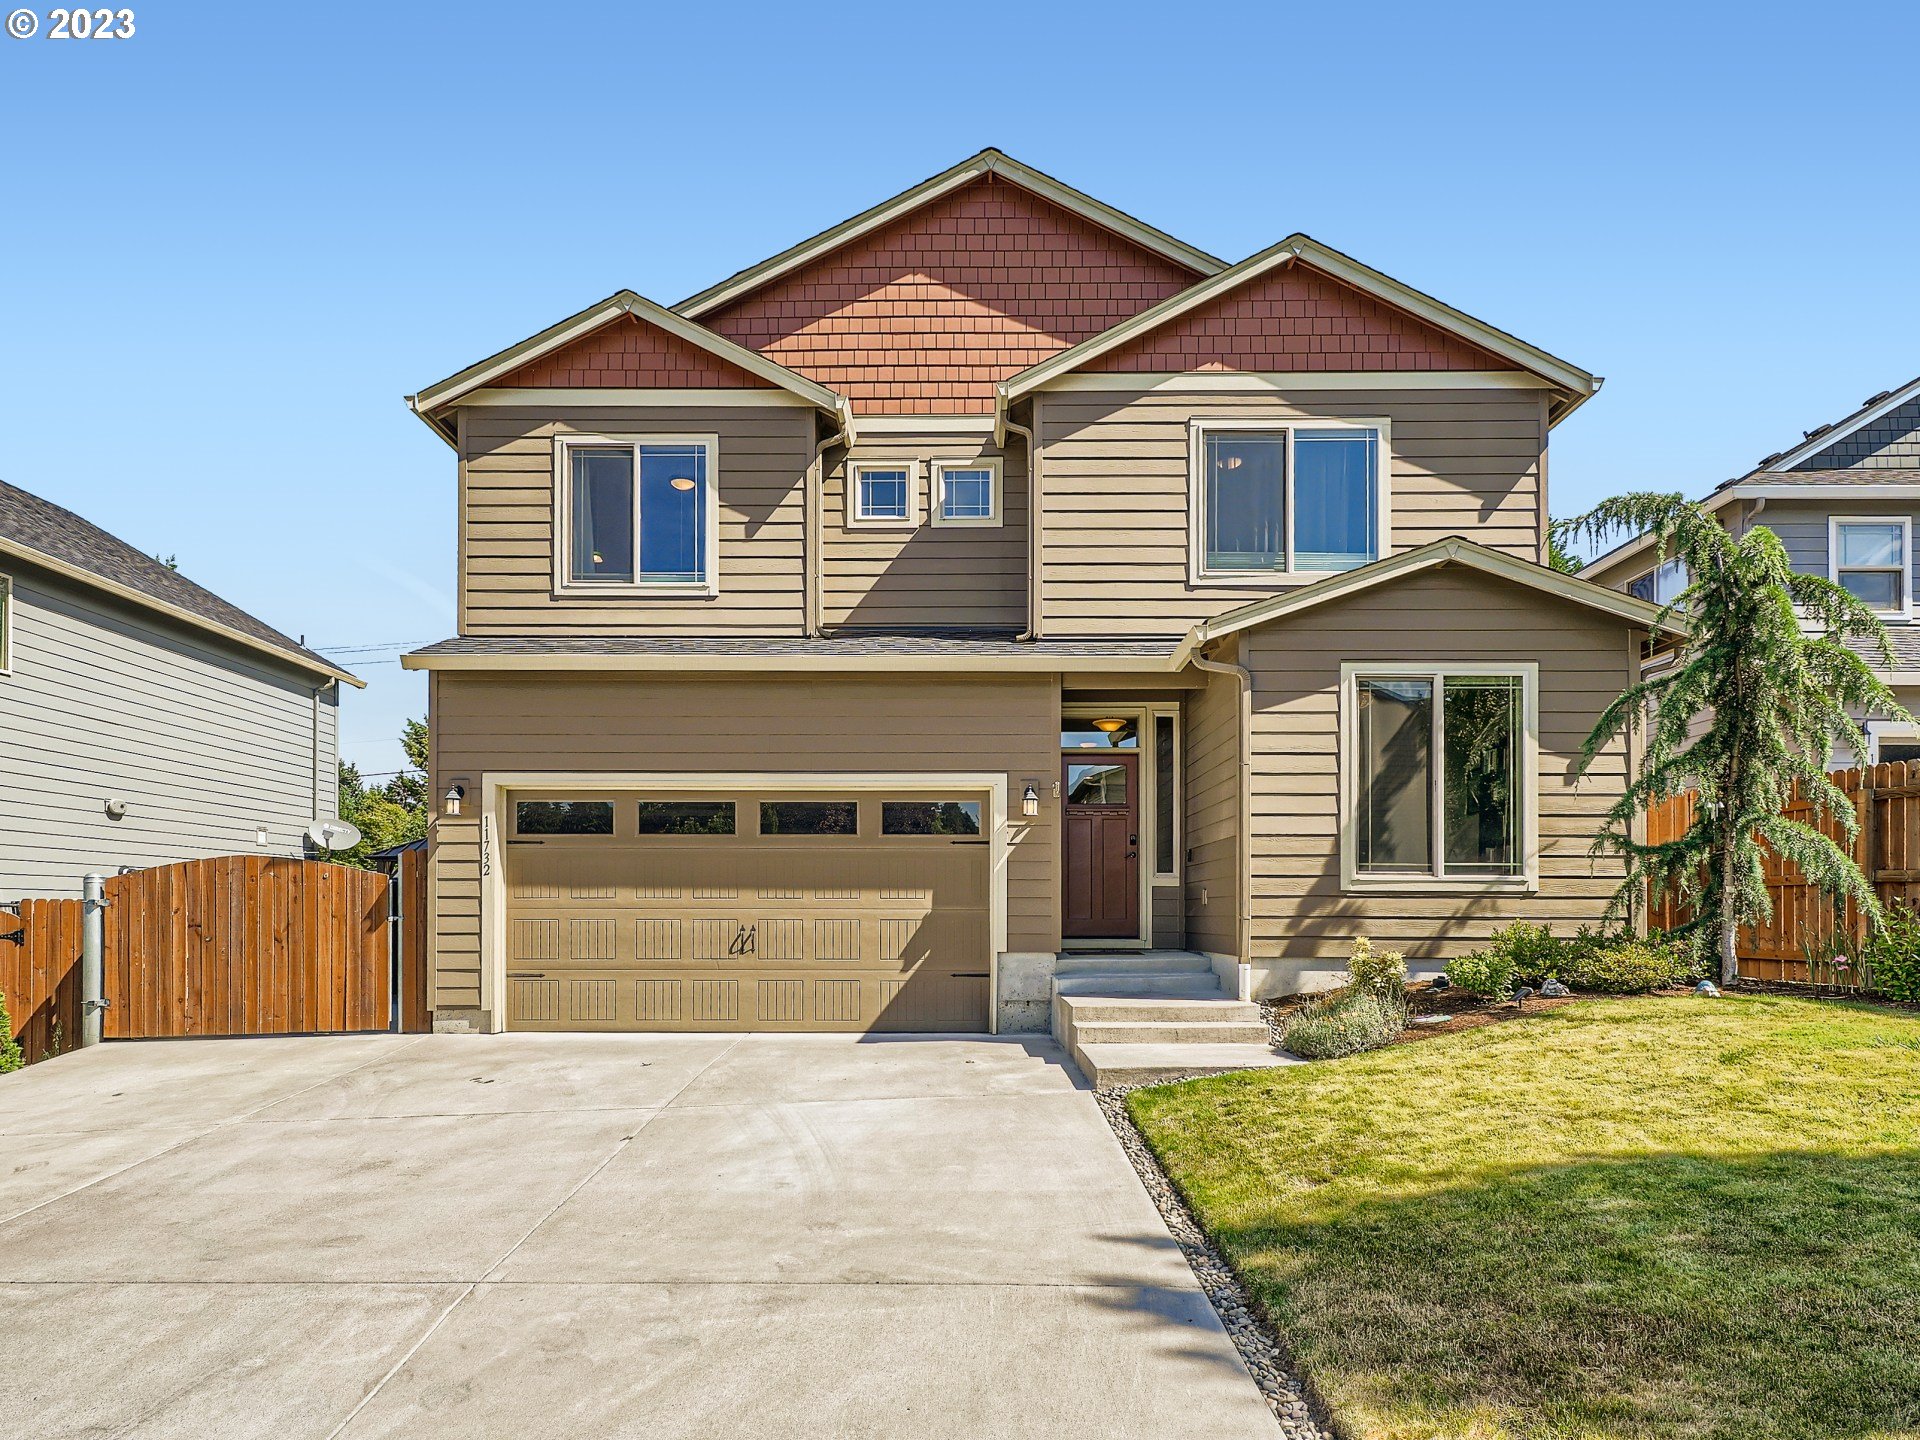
pixel 1905 569
pixel 563 582
pixel 937 500
pixel 6 624
pixel 1155 714
pixel 515 836
pixel 893 837
pixel 857 521
pixel 1632 580
pixel 1878 730
pixel 1527 881
pixel 1199 426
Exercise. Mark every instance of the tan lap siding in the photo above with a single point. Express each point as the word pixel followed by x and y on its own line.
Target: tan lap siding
pixel 737 724
pixel 956 575
pixel 1114 487
pixel 507 510
pixel 1300 912
pixel 1212 831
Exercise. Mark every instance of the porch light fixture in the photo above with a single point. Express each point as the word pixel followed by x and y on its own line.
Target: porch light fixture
pixel 1030 801
pixel 1107 727
pixel 455 794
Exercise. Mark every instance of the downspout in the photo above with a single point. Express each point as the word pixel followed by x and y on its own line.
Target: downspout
pixel 1244 679
pixel 810 557
pixel 1032 632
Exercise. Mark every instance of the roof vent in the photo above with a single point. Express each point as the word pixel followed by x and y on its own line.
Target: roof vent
pixel 1766 460
pixel 1872 400
pixel 1817 430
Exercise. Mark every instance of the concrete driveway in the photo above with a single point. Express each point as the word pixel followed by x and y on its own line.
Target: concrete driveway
pixel 590 1235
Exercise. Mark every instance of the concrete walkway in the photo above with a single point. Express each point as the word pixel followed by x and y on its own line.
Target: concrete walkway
pixel 701 1235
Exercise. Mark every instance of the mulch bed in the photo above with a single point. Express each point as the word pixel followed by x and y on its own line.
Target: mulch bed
pixel 1461 1010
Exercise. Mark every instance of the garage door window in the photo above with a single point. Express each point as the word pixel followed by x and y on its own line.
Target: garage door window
pixel 685 817
pixel 930 817
pixel 563 817
pixel 809 817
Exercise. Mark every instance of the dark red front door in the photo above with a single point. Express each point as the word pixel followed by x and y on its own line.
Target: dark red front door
pixel 1102 846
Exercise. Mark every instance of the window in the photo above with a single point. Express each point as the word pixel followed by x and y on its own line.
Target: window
pixel 1871 559
pixel 1439 776
pixel 685 817
pixel 1661 585
pixel 1166 858
pixel 6 625
pixel 1118 733
pixel 1287 499
pixel 930 817
pixel 883 493
pixel 563 817
pixel 636 515
pixel 809 817
pixel 1097 784
pixel 966 492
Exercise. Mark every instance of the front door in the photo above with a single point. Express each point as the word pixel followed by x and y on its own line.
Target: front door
pixel 1102 846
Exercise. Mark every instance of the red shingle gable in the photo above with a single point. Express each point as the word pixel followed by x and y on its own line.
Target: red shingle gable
pixel 1295 318
pixel 629 352
pixel 927 314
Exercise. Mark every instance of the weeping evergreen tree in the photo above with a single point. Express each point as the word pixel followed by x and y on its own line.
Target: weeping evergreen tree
pixel 1774 697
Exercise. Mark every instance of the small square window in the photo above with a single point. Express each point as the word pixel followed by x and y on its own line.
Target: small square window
pixel 966 492
pixel 882 494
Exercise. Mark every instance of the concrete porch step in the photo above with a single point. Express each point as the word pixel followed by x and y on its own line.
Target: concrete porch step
pixel 1112 1067
pixel 1149 1009
pixel 1120 962
pixel 1115 984
pixel 1195 1031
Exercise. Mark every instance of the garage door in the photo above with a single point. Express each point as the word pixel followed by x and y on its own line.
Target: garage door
pixel 747 912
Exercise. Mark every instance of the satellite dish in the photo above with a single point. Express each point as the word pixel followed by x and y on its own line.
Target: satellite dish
pixel 333 834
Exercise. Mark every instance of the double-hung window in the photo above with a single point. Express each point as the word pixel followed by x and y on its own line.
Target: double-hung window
pixel 1872 559
pixel 1439 775
pixel 638 515
pixel 880 493
pixel 966 492
pixel 1661 585
pixel 1286 498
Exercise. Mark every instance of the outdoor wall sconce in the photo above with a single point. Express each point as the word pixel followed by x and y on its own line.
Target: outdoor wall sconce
pixel 455 794
pixel 1030 801
pixel 116 809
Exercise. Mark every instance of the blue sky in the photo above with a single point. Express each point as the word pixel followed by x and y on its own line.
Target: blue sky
pixel 233 242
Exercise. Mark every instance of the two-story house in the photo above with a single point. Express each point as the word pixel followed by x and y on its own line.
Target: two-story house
pixel 991 579
pixel 1844 502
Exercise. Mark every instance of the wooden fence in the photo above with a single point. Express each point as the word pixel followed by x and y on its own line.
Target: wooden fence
pixel 236 945
pixel 409 912
pixel 1806 920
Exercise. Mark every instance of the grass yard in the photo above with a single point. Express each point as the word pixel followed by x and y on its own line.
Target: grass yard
pixel 1647 1218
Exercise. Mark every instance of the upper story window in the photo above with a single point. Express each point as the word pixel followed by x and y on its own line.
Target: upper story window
pixel 966 492
pixel 1287 499
pixel 1661 585
pixel 881 493
pixel 6 624
pixel 638 516
pixel 1872 559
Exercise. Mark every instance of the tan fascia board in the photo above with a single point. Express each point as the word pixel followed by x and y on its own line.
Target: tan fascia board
pixel 974 167
pixel 1441 552
pixel 812 664
pixel 92 581
pixel 1762 490
pixel 444 393
pixel 1575 384
pixel 1822 439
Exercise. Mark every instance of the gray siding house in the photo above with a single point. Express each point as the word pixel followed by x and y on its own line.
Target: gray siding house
pixel 143 719
pixel 1845 502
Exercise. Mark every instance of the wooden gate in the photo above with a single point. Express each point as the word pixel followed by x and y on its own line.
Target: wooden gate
pixel 236 945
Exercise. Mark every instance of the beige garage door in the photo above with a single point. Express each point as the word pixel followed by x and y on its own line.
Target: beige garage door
pixel 747 912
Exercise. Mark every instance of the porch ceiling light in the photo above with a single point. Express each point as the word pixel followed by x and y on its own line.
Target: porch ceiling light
pixel 1109 726
pixel 1030 801
pixel 681 482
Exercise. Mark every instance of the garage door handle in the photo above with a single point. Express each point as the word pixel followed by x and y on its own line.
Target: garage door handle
pixel 967 975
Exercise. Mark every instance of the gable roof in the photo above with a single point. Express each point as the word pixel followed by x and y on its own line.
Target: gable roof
pixel 1451 551
pixel 1871 409
pixel 443 393
pixel 987 162
pixel 54 538
pixel 1576 385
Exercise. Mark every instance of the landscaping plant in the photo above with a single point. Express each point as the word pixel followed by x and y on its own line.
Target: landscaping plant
pixel 1379 972
pixel 1767 667
pixel 11 1057
pixel 1631 967
pixel 1487 973
pixel 1534 951
pixel 1893 955
pixel 1369 1013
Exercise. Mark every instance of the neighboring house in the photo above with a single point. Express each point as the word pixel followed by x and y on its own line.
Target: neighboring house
pixel 990 577
pixel 143 719
pixel 1844 503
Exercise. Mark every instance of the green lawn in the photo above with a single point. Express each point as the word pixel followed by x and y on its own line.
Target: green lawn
pixel 1645 1218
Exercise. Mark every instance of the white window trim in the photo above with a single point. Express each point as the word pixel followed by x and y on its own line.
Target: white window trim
pixel 1905 522
pixel 1197 428
pixel 857 521
pixel 1633 580
pixel 1155 714
pixel 1528 880
pixel 563 581
pixel 937 497
pixel 1142 717
pixel 1878 730
pixel 6 624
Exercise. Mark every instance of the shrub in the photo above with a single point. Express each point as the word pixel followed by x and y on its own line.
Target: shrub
pixel 1344 1024
pixel 1631 967
pixel 1378 972
pixel 1893 955
pixel 1533 951
pixel 10 1056
pixel 1486 972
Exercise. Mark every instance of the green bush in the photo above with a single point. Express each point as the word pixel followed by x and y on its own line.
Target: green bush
pixel 1630 967
pixel 10 1056
pixel 1532 951
pixel 1379 972
pixel 1486 972
pixel 1893 955
pixel 1344 1024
